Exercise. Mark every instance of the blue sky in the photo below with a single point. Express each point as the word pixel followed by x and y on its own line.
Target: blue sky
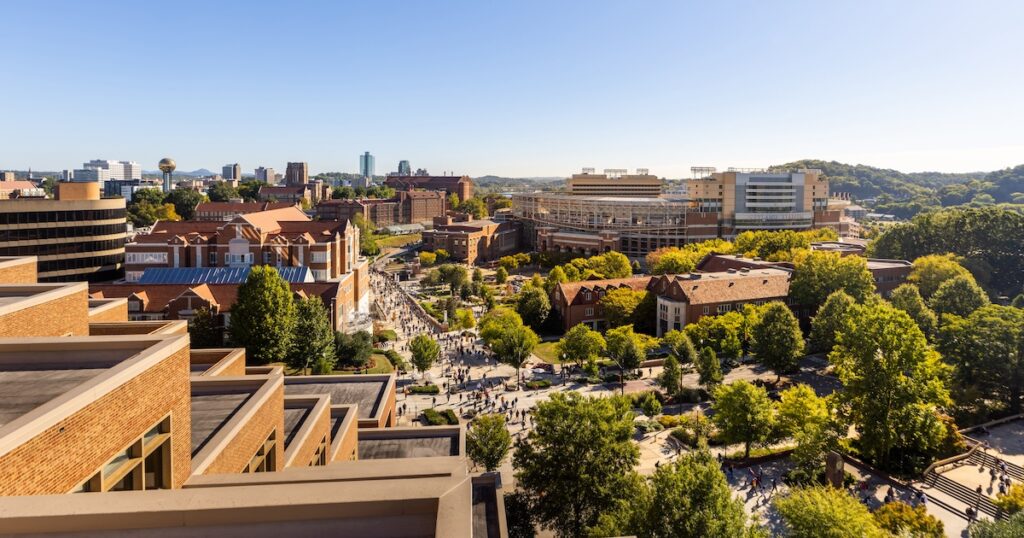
pixel 513 88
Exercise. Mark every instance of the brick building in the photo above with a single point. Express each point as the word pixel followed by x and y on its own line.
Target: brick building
pixel 225 211
pixel 887 274
pixel 474 241
pixel 580 302
pixel 281 237
pixel 198 443
pixel 684 299
pixel 461 186
pixel 406 207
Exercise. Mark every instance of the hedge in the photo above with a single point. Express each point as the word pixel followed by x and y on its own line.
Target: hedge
pixel 424 389
pixel 445 418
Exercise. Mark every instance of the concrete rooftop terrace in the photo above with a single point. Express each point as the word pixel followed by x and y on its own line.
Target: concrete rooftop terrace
pixel 366 391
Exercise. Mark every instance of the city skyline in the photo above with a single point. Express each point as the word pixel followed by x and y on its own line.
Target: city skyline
pixel 914 86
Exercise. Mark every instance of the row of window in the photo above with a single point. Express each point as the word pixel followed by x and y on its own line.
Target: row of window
pixel 36 217
pixel 145 257
pixel 36 234
pixel 63 248
pixel 80 263
pixel 144 464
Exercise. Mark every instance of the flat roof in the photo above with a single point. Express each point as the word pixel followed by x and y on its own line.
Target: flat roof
pixel 210 412
pixel 294 417
pixel 366 391
pixel 887 264
pixel 397 443
pixel 23 390
pixel 14 297
pixel 45 380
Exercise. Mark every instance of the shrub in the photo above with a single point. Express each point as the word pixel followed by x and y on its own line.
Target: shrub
pixel 396 359
pixel 901 520
pixel 691 395
pixel 648 426
pixel 538 384
pixel 1012 501
pixel 425 389
pixel 445 418
pixel 386 335
pixel 668 421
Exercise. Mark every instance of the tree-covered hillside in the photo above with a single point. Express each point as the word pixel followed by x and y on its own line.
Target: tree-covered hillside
pixel 907 194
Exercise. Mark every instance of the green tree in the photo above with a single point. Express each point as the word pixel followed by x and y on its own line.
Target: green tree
pixel 900 519
pixel 453 202
pixel 823 512
pixel 442 255
pixel 510 341
pixel 709 369
pixel 1018 301
pixel 610 265
pixel 626 349
pixel 908 299
pixel 688 498
pixel 959 296
pixel 987 349
pixel 488 441
pixel 367 240
pixel 222 191
pixel 478 275
pixel 204 331
pixel 799 409
pixel 475 207
pixel 893 382
pixel 343 193
pixel 263 317
pixel 723 333
pixel 671 376
pixel 185 202
pixel 649 404
pixel 501 275
pixel 425 351
pixel 743 414
pixel 576 461
pixel 929 272
pixel 619 305
pixel 353 349
pixel 555 277
pixel 427 259
pixel 453 275
pixel 817 274
pixel 250 190
pixel 832 318
pixel 313 343
pixel 680 346
pixel 533 306
pixel 581 345
pixel 777 340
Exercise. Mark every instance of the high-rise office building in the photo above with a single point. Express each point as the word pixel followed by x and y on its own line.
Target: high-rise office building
pixel 404 169
pixel 296 174
pixel 231 171
pixel 266 174
pixel 116 169
pixel 366 165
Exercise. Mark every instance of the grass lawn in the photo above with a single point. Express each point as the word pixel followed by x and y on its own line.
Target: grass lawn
pixel 386 241
pixel 382 366
pixel 547 352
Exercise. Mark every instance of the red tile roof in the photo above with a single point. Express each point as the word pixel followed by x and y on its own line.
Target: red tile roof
pixel 157 296
pixel 570 290
pixel 725 287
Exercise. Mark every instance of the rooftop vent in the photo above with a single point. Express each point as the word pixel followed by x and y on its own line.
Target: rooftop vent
pixel 730 270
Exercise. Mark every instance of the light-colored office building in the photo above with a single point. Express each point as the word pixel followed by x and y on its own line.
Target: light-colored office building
pixel 614 182
pixel 266 174
pixel 366 162
pixel 116 169
pixel 231 172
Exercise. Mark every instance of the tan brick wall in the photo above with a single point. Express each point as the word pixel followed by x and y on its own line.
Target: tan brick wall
pixel 22 273
pixel 117 313
pixel 321 428
pixel 66 316
pixel 235 367
pixel 62 457
pixel 241 449
pixel 349 442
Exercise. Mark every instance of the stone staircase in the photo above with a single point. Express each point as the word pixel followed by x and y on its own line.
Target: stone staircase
pixel 1015 471
pixel 964 494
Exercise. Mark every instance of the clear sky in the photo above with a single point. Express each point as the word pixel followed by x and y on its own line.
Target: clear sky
pixel 515 88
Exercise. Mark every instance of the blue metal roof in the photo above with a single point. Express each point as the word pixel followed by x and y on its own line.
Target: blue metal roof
pixel 216 275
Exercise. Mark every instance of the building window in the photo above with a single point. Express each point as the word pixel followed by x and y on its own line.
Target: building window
pixel 319 257
pixel 263 460
pixel 266 258
pixel 213 259
pixel 319 274
pixel 145 257
pixel 132 276
pixel 144 464
pixel 320 457
pixel 707 310
pixel 588 312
